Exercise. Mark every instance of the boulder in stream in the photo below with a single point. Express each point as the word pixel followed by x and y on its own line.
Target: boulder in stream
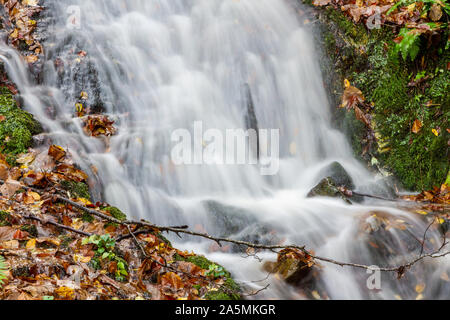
pixel 327 187
pixel 292 266
pixel 339 175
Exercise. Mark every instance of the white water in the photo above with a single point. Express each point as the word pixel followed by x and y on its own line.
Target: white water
pixel 164 64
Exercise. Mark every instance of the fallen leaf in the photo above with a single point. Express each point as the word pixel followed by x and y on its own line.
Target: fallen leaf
pixel 56 152
pixel 417 126
pixel 420 287
pixel 435 13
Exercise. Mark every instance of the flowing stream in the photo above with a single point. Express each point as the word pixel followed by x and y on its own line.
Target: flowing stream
pixel 161 65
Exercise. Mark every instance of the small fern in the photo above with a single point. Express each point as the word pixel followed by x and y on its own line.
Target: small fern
pixel 3 270
pixel 409 46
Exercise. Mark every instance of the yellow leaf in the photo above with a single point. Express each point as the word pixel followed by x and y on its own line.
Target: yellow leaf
pixel 81 258
pixel 422 212
pixel 31 244
pixel 31 58
pixel 77 223
pixel 79 107
pixel 316 295
pixel 14 34
pixel 84 95
pixel 30 2
pixel 65 292
pixel 435 132
pixel 420 287
pixel 35 195
pixel 411 8
pixel 84 201
pixel 346 83
pixel 417 126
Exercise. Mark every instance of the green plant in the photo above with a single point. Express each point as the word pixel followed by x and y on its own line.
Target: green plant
pixel 427 5
pixel 409 38
pixel 3 270
pixel 105 252
pixel 409 45
pixel 216 271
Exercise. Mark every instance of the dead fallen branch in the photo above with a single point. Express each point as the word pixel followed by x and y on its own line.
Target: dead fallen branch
pixel 58 225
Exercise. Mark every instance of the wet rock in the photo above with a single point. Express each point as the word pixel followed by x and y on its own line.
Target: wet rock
pixel 327 188
pixel 292 266
pixel 240 224
pixel 339 175
pixel 231 219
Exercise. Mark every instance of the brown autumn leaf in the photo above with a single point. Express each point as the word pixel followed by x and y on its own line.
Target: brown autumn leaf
pixel 4 172
pixel 172 280
pixel 417 126
pixel 361 116
pixel 31 58
pixel 9 188
pixel 71 173
pixel 7 233
pixel 435 13
pixel 352 96
pixel 56 152
pixel 99 125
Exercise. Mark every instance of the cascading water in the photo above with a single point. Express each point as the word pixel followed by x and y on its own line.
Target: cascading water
pixel 157 66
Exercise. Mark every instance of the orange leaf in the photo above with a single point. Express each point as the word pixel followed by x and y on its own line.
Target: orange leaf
pixel 417 126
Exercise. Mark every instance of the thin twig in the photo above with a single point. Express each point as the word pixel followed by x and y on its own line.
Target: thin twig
pixel 58 225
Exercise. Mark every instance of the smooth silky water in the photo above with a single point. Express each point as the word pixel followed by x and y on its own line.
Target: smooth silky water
pixel 161 65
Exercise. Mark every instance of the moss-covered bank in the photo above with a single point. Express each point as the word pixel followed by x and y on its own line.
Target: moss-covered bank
pixel 229 291
pixel 17 127
pixel 400 92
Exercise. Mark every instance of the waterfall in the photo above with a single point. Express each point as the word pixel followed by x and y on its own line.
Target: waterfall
pixel 159 66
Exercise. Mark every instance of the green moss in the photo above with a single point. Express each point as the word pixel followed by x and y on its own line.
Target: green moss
pixel 420 161
pixel 17 128
pixel 87 217
pixel 229 291
pixel 77 189
pixel 4 219
pixel 31 229
pixel 116 213
pixel 218 295
pixel 65 241
pixel 164 239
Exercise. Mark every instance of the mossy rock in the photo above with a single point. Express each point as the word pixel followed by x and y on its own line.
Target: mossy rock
pixel 327 187
pixel 339 175
pixel 116 213
pixel 17 128
pixel 230 289
pixel 77 189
